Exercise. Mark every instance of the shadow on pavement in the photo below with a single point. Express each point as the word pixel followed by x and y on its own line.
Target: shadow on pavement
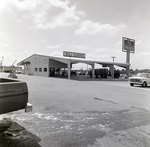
pixel 88 78
pixel 16 136
pixel 139 86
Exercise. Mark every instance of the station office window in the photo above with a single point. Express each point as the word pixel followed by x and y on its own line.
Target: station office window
pixel 35 69
pixel 45 69
pixel 40 69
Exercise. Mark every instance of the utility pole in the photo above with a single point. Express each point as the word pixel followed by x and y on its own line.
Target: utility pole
pixel 113 58
pixel 1 63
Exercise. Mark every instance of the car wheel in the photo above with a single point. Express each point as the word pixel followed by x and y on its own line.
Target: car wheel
pixel 131 84
pixel 144 84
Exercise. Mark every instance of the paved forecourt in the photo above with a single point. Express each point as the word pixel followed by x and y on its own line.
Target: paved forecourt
pixel 85 113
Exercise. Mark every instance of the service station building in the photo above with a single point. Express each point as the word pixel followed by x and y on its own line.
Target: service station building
pixel 42 65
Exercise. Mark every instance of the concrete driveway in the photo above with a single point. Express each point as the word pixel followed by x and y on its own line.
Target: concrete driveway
pixel 80 113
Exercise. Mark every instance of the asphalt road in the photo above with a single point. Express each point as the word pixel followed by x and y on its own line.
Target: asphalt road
pixel 86 113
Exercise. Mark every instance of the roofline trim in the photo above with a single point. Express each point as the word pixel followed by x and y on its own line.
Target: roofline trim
pixel 74 60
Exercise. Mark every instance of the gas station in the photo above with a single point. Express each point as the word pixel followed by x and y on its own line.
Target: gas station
pixel 43 65
pixel 71 61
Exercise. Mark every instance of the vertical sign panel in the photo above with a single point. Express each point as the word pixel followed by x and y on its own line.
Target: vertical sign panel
pixel 128 45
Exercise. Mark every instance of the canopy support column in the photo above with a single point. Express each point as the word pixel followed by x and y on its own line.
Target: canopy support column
pixel 93 70
pixel 69 69
pixel 112 71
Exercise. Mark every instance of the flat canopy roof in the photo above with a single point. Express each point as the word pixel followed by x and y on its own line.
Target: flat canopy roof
pixel 76 60
pixel 88 61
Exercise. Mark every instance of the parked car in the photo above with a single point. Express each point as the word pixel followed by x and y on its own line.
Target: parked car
pixel 123 76
pixel 142 79
pixel 81 73
pixel 73 72
pixel 100 72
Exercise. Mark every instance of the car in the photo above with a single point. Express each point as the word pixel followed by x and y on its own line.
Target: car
pixel 142 79
pixel 123 76
pixel 81 73
pixel 73 72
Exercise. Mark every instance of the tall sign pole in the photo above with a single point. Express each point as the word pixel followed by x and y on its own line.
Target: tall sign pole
pixel 128 57
pixel 128 46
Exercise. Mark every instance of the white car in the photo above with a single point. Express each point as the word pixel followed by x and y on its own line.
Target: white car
pixel 123 76
pixel 142 79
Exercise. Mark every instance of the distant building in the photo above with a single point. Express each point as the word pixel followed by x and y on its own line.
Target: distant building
pixel 42 65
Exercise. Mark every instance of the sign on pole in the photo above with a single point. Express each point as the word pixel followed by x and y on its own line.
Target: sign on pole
pixel 73 54
pixel 128 45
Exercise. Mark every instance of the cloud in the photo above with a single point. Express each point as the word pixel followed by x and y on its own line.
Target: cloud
pixel 138 42
pixel 98 57
pixel 75 46
pixel 45 14
pixel 6 45
pixel 60 15
pixel 144 54
pixel 100 50
pixel 54 46
pixel 2 5
pixel 10 57
pixel 92 28
pixel 56 54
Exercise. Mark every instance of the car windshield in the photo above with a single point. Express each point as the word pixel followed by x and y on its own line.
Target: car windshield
pixel 143 75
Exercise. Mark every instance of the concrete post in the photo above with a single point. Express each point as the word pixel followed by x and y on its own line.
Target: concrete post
pixel 128 61
pixel 69 69
pixel 128 71
pixel 93 70
pixel 24 68
pixel 112 71
pixel 128 57
pixel 29 70
pixel 48 68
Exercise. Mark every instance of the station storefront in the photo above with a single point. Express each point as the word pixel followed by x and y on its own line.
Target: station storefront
pixel 48 66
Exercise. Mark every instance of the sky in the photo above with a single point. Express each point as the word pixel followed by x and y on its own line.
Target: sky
pixel 93 27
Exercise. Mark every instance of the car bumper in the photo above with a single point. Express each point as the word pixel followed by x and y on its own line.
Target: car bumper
pixel 136 83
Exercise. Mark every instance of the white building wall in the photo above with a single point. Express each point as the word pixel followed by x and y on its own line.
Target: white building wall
pixel 39 65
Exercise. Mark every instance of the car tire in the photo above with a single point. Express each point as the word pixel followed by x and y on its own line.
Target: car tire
pixel 144 84
pixel 131 84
